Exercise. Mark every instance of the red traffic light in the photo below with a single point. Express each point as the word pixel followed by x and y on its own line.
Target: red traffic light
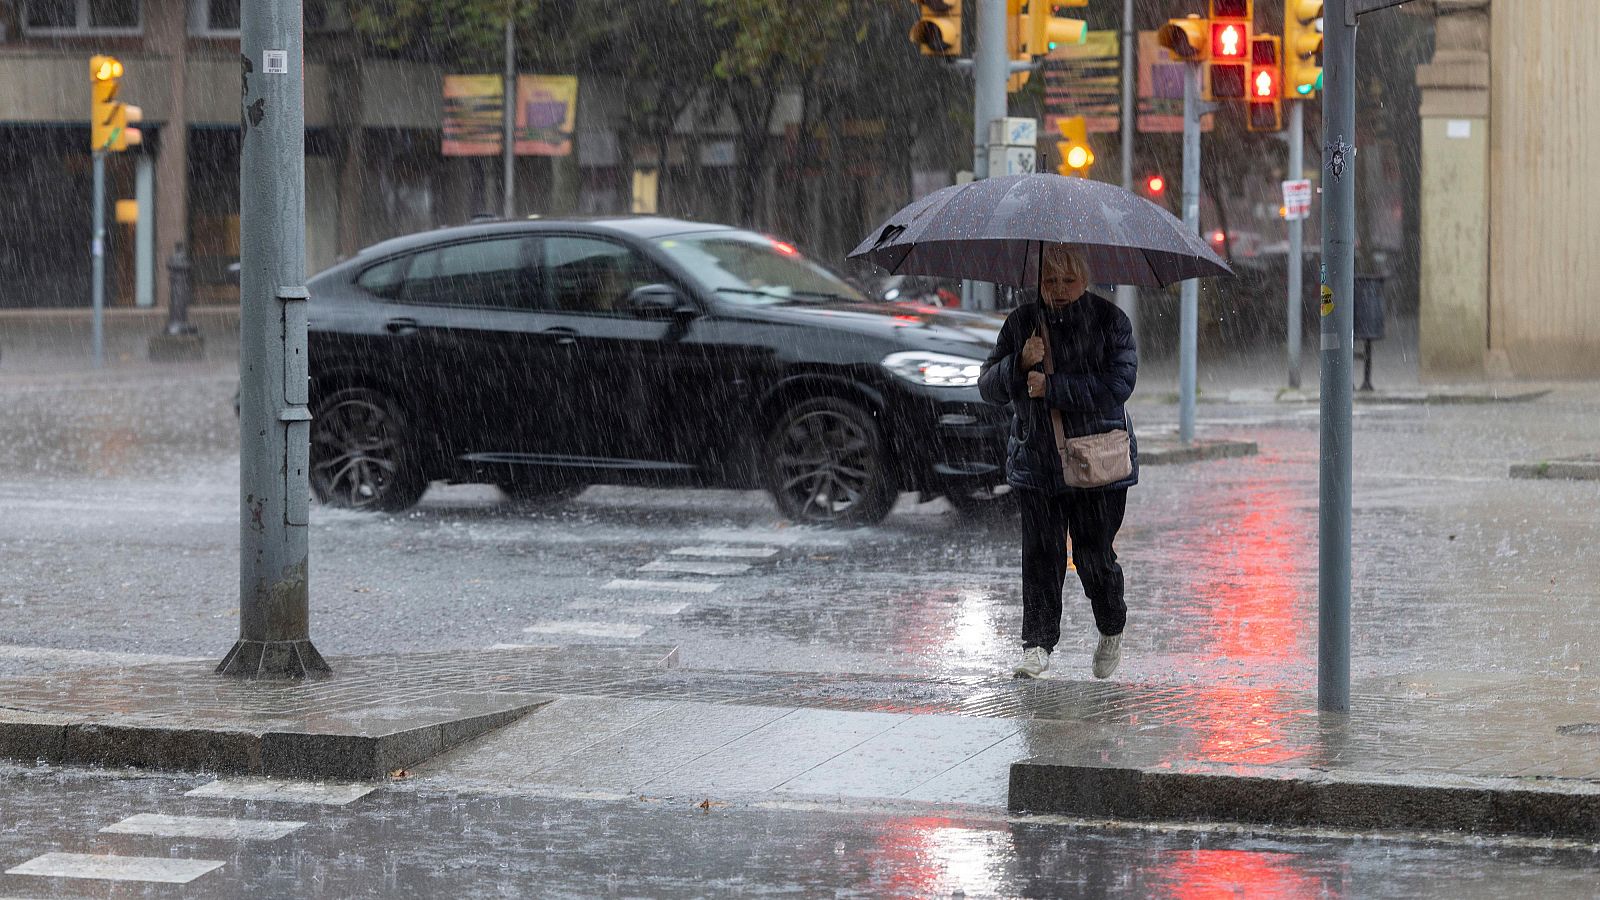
pixel 1218 237
pixel 1155 185
pixel 1229 40
pixel 1264 84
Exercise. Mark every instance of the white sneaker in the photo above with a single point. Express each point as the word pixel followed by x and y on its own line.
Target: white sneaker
pixel 1035 660
pixel 1107 655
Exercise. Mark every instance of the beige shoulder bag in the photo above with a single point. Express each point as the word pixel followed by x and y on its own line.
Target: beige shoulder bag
pixel 1094 460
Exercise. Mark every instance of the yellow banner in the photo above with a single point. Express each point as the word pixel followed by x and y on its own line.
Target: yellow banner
pixel 546 115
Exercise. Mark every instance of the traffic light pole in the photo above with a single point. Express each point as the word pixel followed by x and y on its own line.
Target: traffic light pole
pixel 1127 295
pixel 991 64
pixel 1297 167
pixel 274 421
pixel 1189 302
pixel 97 254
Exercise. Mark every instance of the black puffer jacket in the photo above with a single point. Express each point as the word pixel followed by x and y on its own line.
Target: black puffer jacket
pixel 1096 367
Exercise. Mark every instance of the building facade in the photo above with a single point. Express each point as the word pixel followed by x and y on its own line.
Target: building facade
pixel 1509 113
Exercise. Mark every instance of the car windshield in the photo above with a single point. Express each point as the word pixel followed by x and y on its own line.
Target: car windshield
pixel 753 269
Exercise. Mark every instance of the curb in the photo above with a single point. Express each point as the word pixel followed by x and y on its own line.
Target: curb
pixel 1310 799
pixel 1162 454
pixel 1577 469
pixel 351 752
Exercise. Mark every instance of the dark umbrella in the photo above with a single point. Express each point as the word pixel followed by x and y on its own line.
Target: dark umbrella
pixel 996 229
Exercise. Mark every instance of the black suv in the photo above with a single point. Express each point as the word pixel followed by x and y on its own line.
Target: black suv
pixel 543 356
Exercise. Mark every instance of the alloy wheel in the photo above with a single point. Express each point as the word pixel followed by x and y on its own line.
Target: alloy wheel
pixel 355 453
pixel 826 465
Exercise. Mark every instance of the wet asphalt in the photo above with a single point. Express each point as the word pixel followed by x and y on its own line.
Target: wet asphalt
pixel 119 545
pixel 401 842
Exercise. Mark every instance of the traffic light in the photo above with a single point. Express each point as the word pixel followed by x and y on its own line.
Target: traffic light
pixel 1042 31
pixel 1229 70
pixel 938 31
pixel 1073 148
pixel 1187 39
pixel 1155 186
pixel 1302 42
pixel 110 118
pixel 1265 111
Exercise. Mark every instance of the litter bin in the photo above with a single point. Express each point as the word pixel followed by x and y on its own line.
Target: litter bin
pixel 1369 320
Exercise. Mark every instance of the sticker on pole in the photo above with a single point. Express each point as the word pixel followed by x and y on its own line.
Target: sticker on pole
pixel 1327 300
pixel 1297 199
pixel 275 62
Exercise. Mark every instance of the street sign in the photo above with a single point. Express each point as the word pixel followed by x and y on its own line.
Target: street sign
pixel 1297 199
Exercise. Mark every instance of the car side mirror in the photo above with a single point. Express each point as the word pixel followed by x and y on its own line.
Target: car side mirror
pixel 656 301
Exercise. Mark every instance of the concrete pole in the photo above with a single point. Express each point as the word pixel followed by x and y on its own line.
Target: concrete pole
pixel 1127 294
pixel 274 422
pixel 1338 339
pixel 144 236
pixel 1189 299
pixel 97 259
pixel 990 69
pixel 1297 167
pixel 508 122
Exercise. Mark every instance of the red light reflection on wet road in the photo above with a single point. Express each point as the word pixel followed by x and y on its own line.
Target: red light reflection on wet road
pixel 1230 874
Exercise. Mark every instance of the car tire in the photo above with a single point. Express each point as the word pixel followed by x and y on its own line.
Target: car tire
pixel 540 492
pixel 826 465
pixel 984 502
pixel 362 453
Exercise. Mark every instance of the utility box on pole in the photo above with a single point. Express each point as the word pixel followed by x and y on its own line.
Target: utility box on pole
pixel 1013 146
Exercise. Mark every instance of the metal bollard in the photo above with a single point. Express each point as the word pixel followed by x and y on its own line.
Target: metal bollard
pixel 178 269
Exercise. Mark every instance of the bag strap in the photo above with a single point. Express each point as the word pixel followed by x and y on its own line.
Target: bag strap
pixel 1050 369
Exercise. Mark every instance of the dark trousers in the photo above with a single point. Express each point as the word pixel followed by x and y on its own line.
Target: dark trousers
pixel 1090 519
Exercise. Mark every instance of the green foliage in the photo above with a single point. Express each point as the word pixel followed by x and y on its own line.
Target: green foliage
pixel 462 32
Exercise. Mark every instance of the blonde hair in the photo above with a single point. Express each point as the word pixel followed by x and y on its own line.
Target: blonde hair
pixel 1063 256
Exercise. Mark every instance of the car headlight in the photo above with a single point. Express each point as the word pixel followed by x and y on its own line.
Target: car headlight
pixel 934 369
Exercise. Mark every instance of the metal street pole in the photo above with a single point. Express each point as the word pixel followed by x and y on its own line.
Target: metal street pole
pixel 97 256
pixel 990 69
pixel 1297 167
pixel 1127 295
pixel 1189 299
pixel 274 421
pixel 508 121
pixel 1338 339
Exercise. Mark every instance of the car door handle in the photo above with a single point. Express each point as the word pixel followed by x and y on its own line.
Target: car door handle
pixel 564 337
pixel 401 326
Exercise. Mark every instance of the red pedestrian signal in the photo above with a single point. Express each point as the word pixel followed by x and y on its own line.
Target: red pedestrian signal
pixel 1229 39
pixel 1265 110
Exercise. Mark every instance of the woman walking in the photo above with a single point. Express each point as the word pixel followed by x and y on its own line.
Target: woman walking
pixel 1091 372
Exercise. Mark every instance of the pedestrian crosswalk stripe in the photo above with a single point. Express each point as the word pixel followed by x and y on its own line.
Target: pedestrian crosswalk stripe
pixel 673 587
pixel 727 552
pixel 695 567
pixel 214 827
pixel 589 629
pixel 655 608
pixel 326 793
pixel 106 867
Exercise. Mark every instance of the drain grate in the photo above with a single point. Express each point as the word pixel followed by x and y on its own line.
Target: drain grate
pixel 1580 729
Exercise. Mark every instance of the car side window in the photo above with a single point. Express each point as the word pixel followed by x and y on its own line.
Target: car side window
pixel 495 274
pixel 384 279
pixel 591 275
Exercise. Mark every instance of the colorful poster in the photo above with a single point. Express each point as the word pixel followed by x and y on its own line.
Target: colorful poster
pixel 546 114
pixel 1085 80
pixel 472 105
pixel 547 108
pixel 1161 89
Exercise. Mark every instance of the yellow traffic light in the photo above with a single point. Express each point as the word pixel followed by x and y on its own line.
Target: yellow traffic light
pixel 110 119
pixel 938 31
pixel 105 72
pixel 1187 39
pixel 1042 31
pixel 1302 41
pixel 1073 149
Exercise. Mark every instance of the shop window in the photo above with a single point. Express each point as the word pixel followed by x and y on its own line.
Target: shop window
pixel 82 17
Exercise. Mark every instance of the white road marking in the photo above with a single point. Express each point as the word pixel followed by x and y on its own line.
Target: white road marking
pixel 671 587
pixel 327 793
pixel 213 827
pixel 87 658
pixel 695 568
pixel 589 629
pixel 728 552
pixel 660 608
pixel 116 868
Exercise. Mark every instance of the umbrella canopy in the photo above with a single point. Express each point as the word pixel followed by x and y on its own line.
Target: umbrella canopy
pixel 995 229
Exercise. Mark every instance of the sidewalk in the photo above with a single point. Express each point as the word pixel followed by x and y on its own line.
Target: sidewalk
pixel 1429 751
